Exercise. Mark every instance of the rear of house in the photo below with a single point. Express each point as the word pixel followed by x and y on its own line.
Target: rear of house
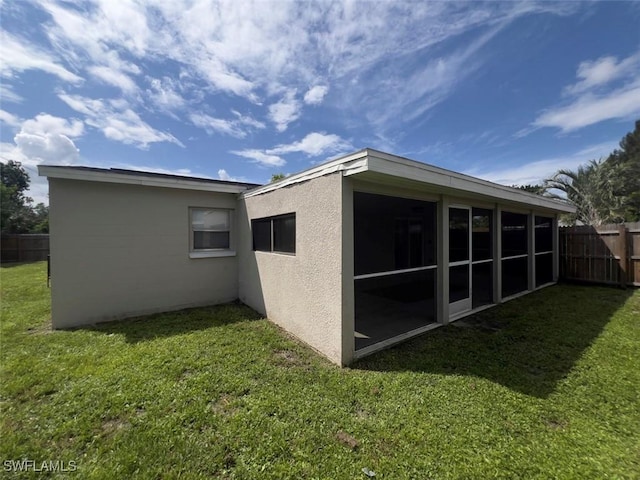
pixel 350 256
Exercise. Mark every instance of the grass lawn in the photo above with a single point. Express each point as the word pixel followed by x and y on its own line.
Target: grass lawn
pixel 546 386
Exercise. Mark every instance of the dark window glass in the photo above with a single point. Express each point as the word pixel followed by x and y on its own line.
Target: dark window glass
pixel 514 234
pixel 391 305
pixel 458 283
pixel 209 240
pixel 458 234
pixel 284 233
pixel 392 233
pixel 482 284
pixel 261 229
pixel 409 243
pixel 544 234
pixel 515 275
pixel 544 269
pixel 482 232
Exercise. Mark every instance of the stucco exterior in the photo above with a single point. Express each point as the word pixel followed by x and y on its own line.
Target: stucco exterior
pixel 123 250
pixel 120 247
pixel 303 292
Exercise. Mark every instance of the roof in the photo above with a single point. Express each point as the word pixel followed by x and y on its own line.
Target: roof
pixel 135 177
pixel 367 164
pixel 380 167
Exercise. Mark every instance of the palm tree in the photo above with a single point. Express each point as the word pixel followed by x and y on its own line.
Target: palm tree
pixel 590 190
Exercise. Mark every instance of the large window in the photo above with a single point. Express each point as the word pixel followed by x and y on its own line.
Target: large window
pixel 482 255
pixel 210 229
pixel 515 250
pixel 275 234
pixel 395 266
pixel 392 233
pixel 544 250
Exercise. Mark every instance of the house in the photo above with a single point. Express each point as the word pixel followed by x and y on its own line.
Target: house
pixel 350 256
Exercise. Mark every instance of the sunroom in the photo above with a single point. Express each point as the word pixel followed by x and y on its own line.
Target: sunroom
pixel 431 246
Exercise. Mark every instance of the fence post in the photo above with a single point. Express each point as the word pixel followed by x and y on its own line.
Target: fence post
pixel 622 250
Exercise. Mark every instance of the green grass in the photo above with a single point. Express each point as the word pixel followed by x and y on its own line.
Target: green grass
pixel 546 386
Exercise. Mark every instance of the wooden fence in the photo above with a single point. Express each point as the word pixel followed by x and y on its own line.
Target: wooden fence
pixel 607 254
pixel 24 247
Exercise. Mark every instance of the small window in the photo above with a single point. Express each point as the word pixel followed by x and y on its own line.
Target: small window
pixel 261 234
pixel 275 234
pixel 210 229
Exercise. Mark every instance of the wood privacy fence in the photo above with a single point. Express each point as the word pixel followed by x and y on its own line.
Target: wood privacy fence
pixel 607 254
pixel 24 247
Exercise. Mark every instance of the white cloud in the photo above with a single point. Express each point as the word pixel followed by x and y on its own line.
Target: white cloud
pixel 621 103
pixel 47 148
pixel 248 121
pixel 9 118
pixel 237 127
pixel 8 95
pixel 117 121
pixel 535 172
pixel 315 95
pixel 43 139
pixel 285 111
pixel 602 71
pixel 18 55
pixel 44 124
pixel 607 89
pixel 217 125
pixel 114 77
pixel 223 175
pixel 264 53
pixel 164 94
pixel 314 144
pixel 261 157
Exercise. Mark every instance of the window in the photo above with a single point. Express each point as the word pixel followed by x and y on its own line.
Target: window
pixel 210 229
pixel 544 250
pixel 392 233
pixel 515 235
pixel 482 232
pixel 515 253
pixel 275 234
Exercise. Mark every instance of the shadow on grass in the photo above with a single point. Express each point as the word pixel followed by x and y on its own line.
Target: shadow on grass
pixel 528 344
pixel 150 327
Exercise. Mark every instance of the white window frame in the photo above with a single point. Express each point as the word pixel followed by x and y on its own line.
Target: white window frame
pixel 211 252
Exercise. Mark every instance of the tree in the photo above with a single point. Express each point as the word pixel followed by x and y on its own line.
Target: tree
pixel 625 163
pixel 604 191
pixel 17 215
pixel 537 189
pixel 590 190
pixel 276 177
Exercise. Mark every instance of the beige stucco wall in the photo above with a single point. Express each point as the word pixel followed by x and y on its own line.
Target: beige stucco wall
pixel 123 250
pixel 303 292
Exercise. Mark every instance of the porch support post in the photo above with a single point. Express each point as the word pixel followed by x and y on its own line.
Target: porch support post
pixel 497 252
pixel 556 248
pixel 531 249
pixel 442 290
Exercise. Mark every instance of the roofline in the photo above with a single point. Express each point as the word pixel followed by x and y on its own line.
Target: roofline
pixel 460 181
pixel 136 177
pixel 352 161
pixel 371 160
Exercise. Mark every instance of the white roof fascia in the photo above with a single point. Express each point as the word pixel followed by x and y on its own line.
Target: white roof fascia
pixel 114 177
pixel 356 162
pixel 387 164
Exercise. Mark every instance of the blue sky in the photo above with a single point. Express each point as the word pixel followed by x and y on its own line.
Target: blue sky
pixel 507 91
